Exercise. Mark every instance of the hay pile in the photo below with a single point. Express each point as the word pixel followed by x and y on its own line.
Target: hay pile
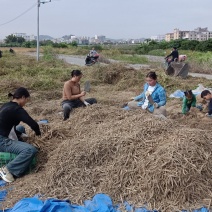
pixel 130 156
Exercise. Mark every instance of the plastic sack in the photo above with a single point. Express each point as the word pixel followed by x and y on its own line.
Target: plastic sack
pixel 199 89
pixel 177 94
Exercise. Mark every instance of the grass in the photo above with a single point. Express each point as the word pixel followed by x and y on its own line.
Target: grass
pixel 19 70
pixel 111 84
pixel 133 59
pixel 48 75
pixel 200 62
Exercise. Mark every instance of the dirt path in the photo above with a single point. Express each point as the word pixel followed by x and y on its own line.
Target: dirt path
pixel 80 60
pixel 71 59
pixel 207 76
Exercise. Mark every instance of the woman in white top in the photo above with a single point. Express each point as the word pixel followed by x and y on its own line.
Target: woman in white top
pixel 153 98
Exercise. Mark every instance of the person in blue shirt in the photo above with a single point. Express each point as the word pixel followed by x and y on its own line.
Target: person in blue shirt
pixel 153 97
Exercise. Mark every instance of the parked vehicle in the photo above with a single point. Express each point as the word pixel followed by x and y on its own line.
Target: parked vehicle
pixel 177 68
pixel 91 60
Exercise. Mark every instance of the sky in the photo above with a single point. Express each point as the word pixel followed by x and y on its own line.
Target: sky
pixel 112 18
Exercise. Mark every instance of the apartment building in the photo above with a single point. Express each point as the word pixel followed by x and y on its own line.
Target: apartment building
pixel 158 37
pixel 169 37
pixel 25 36
pixel 199 34
pixel 179 34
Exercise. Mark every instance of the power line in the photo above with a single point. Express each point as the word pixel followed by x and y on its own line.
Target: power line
pixel 19 15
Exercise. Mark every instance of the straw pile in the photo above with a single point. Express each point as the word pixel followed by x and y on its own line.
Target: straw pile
pixel 130 156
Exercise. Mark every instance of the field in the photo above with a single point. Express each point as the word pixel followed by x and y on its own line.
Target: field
pixel 129 155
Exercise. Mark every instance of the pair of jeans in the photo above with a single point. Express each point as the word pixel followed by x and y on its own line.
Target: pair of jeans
pixel 68 105
pixel 25 154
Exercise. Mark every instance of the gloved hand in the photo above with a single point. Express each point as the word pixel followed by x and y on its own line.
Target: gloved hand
pixel 132 98
pixel 24 135
pixel 200 107
pixel 86 103
pixel 155 105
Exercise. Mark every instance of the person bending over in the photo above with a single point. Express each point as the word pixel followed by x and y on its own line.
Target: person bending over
pixel 11 114
pixel 189 102
pixel 206 94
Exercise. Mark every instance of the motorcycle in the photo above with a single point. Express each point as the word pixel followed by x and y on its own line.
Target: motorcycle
pixel 177 68
pixel 91 60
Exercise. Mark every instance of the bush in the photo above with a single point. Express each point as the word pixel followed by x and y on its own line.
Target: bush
pixel 49 53
pixel 157 52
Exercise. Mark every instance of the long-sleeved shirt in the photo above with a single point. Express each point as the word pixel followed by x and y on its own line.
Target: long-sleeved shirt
pixel 210 107
pixel 174 55
pixel 188 103
pixel 158 95
pixel 11 114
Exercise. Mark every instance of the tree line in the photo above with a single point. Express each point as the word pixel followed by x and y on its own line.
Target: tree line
pixel 15 41
pixel 182 44
pixel 143 48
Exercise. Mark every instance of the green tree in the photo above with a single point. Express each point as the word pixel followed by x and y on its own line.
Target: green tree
pixel 207 45
pixel 63 45
pixel 74 43
pixel 189 44
pixel 20 40
pixel 33 43
pixel 27 44
pixel 163 44
pixel 10 39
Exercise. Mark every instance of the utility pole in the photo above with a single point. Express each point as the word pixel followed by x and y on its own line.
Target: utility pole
pixel 39 2
pixel 38 31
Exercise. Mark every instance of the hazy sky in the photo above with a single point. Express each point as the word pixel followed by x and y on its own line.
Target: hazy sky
pixel 112 18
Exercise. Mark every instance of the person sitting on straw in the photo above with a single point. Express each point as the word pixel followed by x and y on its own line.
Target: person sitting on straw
pixel 152 99
pixel 11 114
pixel 73 97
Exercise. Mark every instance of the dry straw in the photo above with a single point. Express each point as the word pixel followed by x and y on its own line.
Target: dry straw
pixel 130 156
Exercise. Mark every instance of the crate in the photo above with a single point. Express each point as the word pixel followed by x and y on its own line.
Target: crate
pixel 6 157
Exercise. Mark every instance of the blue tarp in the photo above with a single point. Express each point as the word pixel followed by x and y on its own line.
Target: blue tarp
pixel 99 203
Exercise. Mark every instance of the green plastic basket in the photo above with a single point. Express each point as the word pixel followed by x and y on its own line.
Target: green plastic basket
pixel 6 157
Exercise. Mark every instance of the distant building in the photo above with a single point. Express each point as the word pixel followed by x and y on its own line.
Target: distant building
pixel 179 34
pixel 137 41
pixel 83 40
pixel 199 34
pixel 158 37
pixel 98 39
pixel 169 36
pixel 25 36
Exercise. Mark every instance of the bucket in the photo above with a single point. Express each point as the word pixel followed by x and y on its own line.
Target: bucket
pixel 6 157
